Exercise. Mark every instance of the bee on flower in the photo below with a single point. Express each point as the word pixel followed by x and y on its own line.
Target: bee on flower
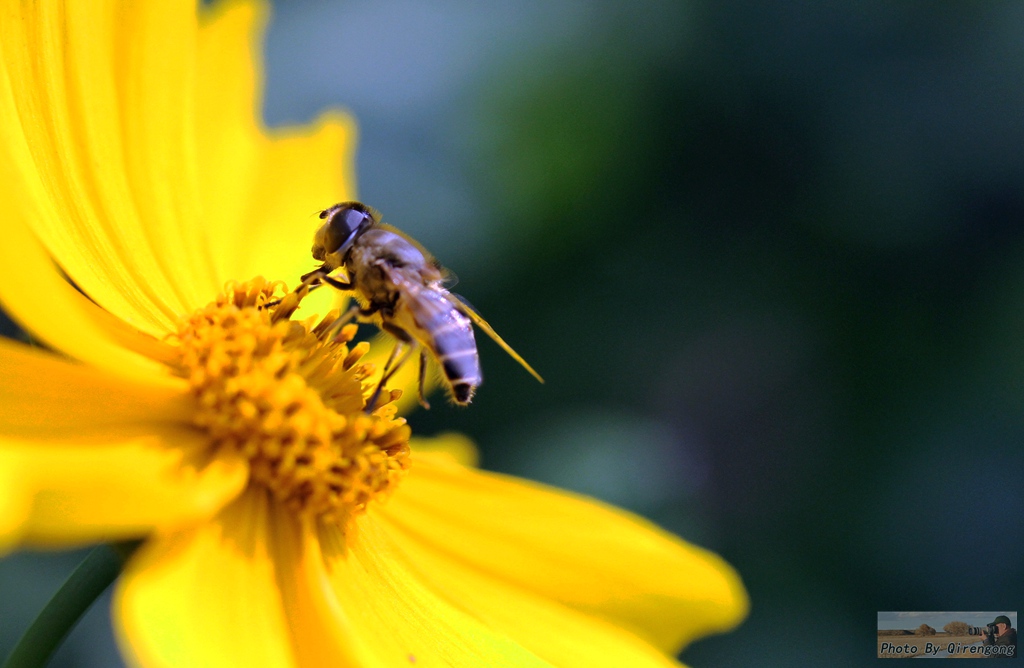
pixel 177 402
pixel 400 285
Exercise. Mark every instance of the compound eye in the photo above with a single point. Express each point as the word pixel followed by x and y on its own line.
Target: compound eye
pixel 344 222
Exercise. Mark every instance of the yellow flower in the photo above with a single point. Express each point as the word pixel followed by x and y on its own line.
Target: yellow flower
pixel 136 184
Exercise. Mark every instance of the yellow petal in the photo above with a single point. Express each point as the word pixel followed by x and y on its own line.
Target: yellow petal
pixel 452 447
pixel 84 491
pixel 124 335
pixel 556 633
pixel 130 144
pixel 359 585
pixel 106 190
pixel 34 294
pixel 261 191
pixel 228 132
pixel 15 503
pixel 43 396
pixel 159 42
pixel 208 596
pixel 587 556
pixel 299 172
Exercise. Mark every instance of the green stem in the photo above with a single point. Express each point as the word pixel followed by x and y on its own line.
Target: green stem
pixel 79 591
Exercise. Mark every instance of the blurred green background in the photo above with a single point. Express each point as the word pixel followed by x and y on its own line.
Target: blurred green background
pixel 768 257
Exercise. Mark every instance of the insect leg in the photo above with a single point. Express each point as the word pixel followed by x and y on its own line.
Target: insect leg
pixel 389 371
pixel 321 274
pixel 342 320
pixel 315 279
pixel 383 376
pixel 423 377
pixel 278 301
pixel 311 279
pixel 312 276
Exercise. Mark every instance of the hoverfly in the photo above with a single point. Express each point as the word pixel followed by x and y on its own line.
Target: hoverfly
pixel 400 287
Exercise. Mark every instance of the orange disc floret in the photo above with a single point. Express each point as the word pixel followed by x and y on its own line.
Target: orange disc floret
pixel 290 396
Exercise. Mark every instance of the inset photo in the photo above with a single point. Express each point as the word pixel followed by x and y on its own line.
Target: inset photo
pixel 947 635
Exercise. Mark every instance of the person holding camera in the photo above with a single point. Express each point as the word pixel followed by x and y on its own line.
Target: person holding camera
pixel 1001 633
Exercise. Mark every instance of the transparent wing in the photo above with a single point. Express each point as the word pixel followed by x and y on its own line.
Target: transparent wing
pixel 449 280
pixel 467 310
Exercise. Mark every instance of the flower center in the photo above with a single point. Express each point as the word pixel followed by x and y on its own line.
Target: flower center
pixel 290 396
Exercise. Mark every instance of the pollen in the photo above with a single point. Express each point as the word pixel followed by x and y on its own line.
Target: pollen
pixel 291 396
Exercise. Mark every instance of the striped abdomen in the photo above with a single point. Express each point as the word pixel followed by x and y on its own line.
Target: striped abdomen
pixel 449 335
